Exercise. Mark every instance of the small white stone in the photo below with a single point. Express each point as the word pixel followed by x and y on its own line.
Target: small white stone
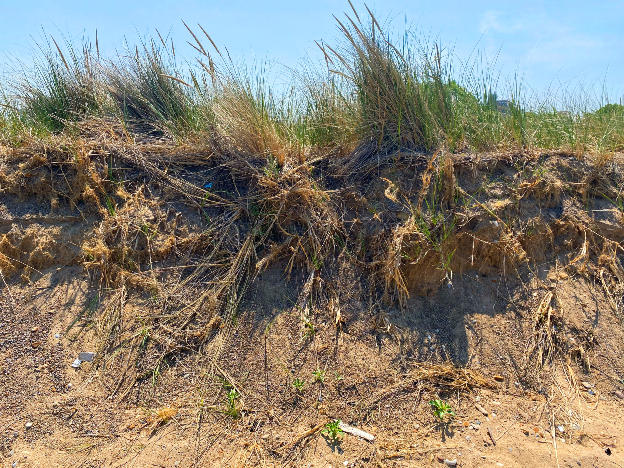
pixel 29 424
pixel 86 356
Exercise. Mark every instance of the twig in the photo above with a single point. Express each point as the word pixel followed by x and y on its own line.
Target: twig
pixel 506 430
pixel 356 432
pixel 554 437
pixel 306 434
pixel 266 368
pixel 13 303
pixel 489 431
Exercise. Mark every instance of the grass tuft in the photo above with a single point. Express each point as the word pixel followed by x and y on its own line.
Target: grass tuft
pixel 145 89
pixel 62 87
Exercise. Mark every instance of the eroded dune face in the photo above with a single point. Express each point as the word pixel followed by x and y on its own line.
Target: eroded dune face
pixel 491 277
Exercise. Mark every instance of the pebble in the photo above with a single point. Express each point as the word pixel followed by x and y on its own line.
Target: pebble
pixel 560 428
pixel 14 464
pixel 57 335
pixel 619 394
pixel 499 378
pixel 468 438
pixel 591 392
pixel 86 356
pixel 586 384
pixel 29 424
pixel 448 462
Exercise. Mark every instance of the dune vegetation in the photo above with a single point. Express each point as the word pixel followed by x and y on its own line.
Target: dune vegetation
pixel 372 93
pixel 376 209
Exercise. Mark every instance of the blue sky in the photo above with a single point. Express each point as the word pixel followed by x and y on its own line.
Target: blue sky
pixel 569 47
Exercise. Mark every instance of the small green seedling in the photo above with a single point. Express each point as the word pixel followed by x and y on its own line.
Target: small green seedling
pixel 319 375
pixel 110 206
pixel 145 336
pixel 272 169
pixel 332 431
pixel 148 231
pixel 298 385
pixel 441 409
pixel 310 330
pixel 317 262
pixel 232 404
pixel 155 375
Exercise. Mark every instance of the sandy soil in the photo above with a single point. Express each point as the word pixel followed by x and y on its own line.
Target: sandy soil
pixel 75 423
pixel 531 360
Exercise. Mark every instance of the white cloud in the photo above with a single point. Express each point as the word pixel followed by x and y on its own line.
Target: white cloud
pixel 536 38
pixel 494 21
pixel 564 47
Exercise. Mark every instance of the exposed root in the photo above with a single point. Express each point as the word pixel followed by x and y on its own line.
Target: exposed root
pixel 155 226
